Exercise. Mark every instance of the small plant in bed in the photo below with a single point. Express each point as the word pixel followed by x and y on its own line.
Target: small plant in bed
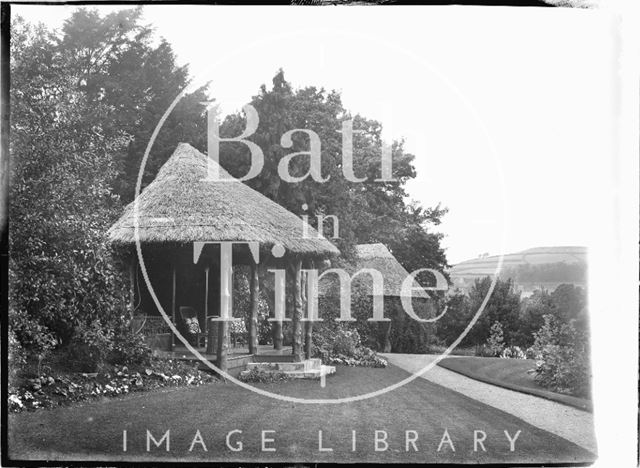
pixel 343 346
pixel 87 371
pixel 513 352
pixel 256 375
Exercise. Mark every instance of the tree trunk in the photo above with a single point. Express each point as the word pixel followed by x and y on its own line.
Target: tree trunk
pixel 253 324
pixel 297 312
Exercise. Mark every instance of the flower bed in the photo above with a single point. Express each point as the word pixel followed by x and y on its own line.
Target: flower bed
pixel 363 357
pixel 344 347
pixel 48 390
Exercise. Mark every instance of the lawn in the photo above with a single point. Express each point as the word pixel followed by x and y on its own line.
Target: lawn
pixel 509 373
pixel 94 431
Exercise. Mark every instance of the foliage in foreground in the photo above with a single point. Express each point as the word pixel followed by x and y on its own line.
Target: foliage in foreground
pixel 51 389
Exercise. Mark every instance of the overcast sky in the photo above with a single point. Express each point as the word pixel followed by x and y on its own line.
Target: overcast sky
pixel 508 110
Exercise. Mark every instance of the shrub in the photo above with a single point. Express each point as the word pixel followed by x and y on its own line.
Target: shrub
pixel 363 357
pixel 563 364
pixel 484 351
pixel 335 341
pixel 129 348
pixel 89 347
pixel 256 375
pixel 532 353
pixel 16 358
pixel 495 342
pixel 338 344
pixel 513 352
pixel 34 339
pixel 346 342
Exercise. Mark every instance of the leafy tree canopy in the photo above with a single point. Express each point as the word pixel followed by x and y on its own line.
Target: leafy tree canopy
pixel 368 211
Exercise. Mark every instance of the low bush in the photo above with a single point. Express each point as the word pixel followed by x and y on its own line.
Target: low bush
pixel 16 359
pixel 484 351
pixel 341 345
pixel 363 357
pixel 89 347
pixel 129 348
pixel 35 340
pixel 256 375
pixel 51 389
pixel 532 353
pixel 563 358
pixel 495 342
pixel 513 352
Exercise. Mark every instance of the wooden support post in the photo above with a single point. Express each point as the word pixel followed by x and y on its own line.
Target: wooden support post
pixel 280 300
pixel 226 306
pixel 308 339
pixel 206 305
pixel 386 346
pixel 206 291
pixel 308 324
pixel 253 324
pixel 173 302
pixel 278 337
pixel 297 311
pixel 212 336
pixel 223 345
pixel 132 286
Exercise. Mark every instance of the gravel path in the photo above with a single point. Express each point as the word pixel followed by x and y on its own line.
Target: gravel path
pixel 567 422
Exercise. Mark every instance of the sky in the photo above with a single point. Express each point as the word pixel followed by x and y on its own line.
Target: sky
pixel 509 111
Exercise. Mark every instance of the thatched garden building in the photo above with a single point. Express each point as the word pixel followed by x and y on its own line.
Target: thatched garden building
pixel 172 218
pixel 379 258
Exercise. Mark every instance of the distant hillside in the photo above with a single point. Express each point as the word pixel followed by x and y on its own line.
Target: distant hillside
pixel 539 267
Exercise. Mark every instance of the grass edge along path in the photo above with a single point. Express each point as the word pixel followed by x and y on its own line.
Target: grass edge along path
pixel 460 365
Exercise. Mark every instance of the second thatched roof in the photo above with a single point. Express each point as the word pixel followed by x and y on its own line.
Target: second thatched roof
pixel 377 257
pixel 180 207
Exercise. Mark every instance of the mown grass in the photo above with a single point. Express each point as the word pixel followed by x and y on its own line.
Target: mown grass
pixel 94 431
pixel 514 374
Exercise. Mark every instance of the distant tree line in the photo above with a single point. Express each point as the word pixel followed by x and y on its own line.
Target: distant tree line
pixel 520 317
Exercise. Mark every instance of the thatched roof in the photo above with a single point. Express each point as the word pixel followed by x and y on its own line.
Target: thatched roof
pixel 378 257
pixel 179 207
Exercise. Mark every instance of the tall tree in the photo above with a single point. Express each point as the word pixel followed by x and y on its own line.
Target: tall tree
pixel 84 104
pixel 117 64
pixel 570 303
pixel 503 306
pixel 62 171
pixel 531 317
pixel 367 211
